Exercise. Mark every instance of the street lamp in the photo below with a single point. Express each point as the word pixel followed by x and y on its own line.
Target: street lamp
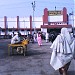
pixel 33 6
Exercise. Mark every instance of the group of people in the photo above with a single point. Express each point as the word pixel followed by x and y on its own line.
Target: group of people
pixel 16 39
pixel 38 38
pixel 63 49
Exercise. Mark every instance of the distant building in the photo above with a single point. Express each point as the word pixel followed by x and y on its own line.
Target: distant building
pixel 51 19
pixel 55 20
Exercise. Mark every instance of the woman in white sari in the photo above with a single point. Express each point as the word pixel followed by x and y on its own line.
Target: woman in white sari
pixel 63 51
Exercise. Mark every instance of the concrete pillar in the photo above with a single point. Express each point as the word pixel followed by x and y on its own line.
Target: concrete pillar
pixel 30 24
pixel 45 17
pixel 5 24
pixel 17 22
pixel 65 17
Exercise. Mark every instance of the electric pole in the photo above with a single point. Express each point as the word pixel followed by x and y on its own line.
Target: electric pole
pixel 33 6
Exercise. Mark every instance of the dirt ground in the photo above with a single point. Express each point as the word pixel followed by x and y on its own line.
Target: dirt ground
pixel 36 61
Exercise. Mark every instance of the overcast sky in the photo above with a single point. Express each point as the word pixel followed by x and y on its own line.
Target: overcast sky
pixel 13 8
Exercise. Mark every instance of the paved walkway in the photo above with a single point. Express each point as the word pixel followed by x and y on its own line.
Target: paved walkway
pixel 36 61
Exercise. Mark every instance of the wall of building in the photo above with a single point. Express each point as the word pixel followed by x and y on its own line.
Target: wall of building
pixel 2 23
pixel 58 18
pixel 22 24
pixel 11 22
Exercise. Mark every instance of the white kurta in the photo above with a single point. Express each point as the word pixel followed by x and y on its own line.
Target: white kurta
pixel 15 39
pixel 62 52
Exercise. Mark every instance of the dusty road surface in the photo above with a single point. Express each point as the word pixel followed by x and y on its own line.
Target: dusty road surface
pixel 36 61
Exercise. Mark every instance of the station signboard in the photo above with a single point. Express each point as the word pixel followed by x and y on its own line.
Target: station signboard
pixel 53 13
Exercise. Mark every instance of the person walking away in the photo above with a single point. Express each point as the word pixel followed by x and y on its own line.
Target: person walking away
pixel 63 51
pixel 47 37
pixel 39 39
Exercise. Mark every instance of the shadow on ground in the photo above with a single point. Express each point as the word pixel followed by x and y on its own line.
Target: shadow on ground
pixel 32 53
pixel 71 72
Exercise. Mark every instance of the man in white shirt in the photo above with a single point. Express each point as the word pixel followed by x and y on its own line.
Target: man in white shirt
pixel 16 39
